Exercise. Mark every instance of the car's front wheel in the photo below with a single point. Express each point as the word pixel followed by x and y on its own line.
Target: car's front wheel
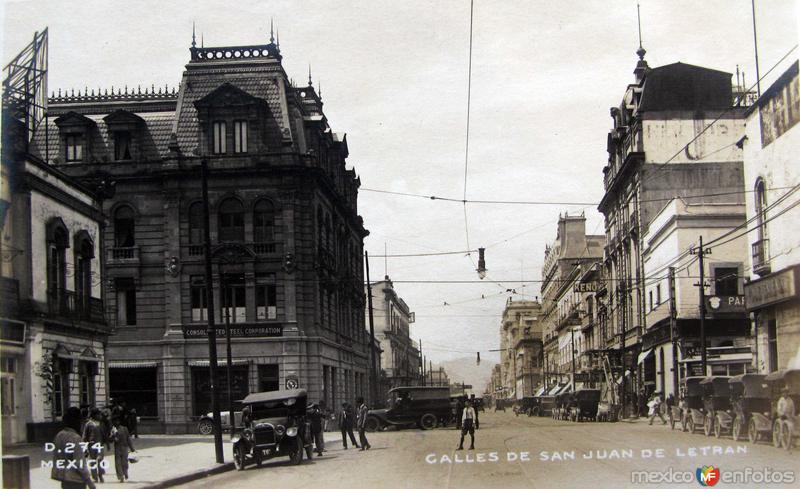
pixel 752 432
pixel 238 457
pixel 372 424
pixel 206 427
pixel 428 421
pixel 736 430
pixel 296 456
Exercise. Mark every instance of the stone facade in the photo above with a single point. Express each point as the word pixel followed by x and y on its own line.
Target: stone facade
pixel 521 356
pixel 285 238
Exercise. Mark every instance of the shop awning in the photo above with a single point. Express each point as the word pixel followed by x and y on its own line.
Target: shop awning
pixel 220 363
pixel 539 392
pixel 643 355
pixel 132 364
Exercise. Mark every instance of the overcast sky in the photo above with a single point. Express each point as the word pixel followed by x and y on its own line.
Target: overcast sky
pixel 394 78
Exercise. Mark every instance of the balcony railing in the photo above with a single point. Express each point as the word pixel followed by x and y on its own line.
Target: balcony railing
pixel 66 304
pixel 761 257
pixel 124 254
pixel 265 248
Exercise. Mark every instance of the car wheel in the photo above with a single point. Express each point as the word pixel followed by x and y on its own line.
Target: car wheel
pixel 752 432
pixel 206 427
pixel 690 425
pixel 777 433
pixel 427 421
pixel 297 452
pixel 671 421
pixel 787 438
pixel 238 457
pixel 736 431
pixel 717 428
pixel 708 426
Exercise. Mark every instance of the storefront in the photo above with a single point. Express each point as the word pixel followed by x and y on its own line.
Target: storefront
pixel 773 302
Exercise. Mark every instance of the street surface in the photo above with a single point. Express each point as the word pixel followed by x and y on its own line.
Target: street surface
pixel 398 458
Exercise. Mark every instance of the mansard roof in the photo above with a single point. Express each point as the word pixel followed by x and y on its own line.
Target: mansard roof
pixel 681 86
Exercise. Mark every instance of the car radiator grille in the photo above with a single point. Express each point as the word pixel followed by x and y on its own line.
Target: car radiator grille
pixel 264 436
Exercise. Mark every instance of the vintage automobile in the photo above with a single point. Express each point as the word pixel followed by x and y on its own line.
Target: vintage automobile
pixel 562 404
pixel 206 423
pixel 716 405
pixel 424 407
pixel 274 425
pixel 584 405
pixel 544 406
pixel 693 414
pixel 751 407
pixel 785 429
pixel 524 406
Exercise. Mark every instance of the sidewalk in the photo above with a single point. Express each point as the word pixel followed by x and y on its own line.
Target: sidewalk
pixel 164 461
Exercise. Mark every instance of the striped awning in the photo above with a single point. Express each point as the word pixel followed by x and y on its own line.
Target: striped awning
pixel 220 363
pixel 132 364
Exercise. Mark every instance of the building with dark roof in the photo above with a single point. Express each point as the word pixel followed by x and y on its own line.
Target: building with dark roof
pixel 673 135
pixel 286 237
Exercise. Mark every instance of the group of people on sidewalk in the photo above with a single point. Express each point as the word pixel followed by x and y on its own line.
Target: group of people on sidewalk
pixel 349 417
pixel 79 447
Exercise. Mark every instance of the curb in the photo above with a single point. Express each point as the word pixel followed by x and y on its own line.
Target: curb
pixel 192 476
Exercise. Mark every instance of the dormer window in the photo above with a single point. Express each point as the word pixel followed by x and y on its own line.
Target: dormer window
pixel 73 144
pixel 122 145
pixel 219 135
pixel 240 136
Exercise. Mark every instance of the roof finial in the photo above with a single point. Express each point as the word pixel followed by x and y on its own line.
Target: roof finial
pixel 319 89
pixel 278 39
pixel 194 43
pixel 271 32
pixel 641 51
pixel 309 75
pixel 201 40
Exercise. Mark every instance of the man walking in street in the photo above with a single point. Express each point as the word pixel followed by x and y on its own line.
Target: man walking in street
pixel 346 419
pixel 654 406
pixel 315 416
pixel 467 426
pixel 363 410
pixel 69 462
pixel 96 437
pixel 123 445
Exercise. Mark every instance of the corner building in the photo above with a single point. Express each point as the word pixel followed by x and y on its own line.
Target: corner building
pixel 286 239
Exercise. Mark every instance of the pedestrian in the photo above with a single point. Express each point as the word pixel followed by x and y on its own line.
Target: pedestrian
pixel 475 407
pixel 467 426
pixel 654 408
pixel 315 416
pixel 785 407
pixel 69 462
pixel 346 418
pixel 97 438
pixel 133 423
pixel 123 445
pixel 363 411
pixel 323 409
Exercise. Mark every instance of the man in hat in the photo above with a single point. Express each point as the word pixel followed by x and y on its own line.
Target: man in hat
pixel 468 425
pixel 363 412
pixel 69 465
pixel 95 436
pixel 315 417
pixel 654 408
pixel 785 407
pixel 346 419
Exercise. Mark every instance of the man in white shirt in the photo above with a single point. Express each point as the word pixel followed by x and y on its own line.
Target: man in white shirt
pixel 785 405
pixel 468 425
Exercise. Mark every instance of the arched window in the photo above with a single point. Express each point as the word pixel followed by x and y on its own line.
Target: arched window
pixel 263 222
pixel 231 220
pixel 84 253
pixel 196 223
pixel 124 228
pixel 761 206
pixel 57 244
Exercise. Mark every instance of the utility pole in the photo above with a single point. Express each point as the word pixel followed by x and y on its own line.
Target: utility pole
pixel 572 333
pixel 673 315
pixel 227 299
pixel 701 252
pixel 623 315
pixel 373 373
pixel 211 327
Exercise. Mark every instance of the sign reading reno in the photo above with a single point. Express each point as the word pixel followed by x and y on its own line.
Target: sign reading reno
pixel 771 289
pixel 237 330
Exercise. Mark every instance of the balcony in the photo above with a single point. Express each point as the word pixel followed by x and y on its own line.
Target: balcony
pixel 761 257
pixel 65 304
pixel 123 255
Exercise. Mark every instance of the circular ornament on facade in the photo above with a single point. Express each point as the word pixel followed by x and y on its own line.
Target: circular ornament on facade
pixel 292 384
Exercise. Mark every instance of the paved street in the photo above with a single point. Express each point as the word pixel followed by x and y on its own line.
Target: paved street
pixel 398 459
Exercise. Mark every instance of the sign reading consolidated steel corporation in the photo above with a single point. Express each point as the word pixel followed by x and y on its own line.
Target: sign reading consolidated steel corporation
pixel 237 330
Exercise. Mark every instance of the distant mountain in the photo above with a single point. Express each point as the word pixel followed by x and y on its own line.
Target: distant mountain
pixel 465 370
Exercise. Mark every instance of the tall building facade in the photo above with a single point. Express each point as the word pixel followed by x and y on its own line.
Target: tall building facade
pixel 400 358
pixel 772 174
pixel 53 333
pixel 673 135
pixel 566 307
pixel 286 240
pixel 521 349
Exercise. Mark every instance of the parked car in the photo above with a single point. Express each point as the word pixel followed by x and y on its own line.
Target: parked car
pixel 717 405
pixel 785 429
pixel 206 423
pixel 751 407
pixel 693 412
pixel 585 404
pixel 275 425
pixel 424 407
